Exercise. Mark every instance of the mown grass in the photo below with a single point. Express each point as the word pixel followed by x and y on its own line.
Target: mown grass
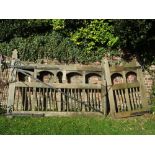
pixel 77 125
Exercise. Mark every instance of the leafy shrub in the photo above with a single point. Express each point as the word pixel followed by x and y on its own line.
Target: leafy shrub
pixel 51 46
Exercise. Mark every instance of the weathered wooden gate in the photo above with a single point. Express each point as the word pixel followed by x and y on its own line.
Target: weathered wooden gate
pixel 55 89
pixel 71 89
pixel 125 86
pixel 59 88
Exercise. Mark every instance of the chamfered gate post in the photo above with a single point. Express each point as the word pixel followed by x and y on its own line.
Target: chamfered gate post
pixel 103 90
pixel 12 78
pixel 109 86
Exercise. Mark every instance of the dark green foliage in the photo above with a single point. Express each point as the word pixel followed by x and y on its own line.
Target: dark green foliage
pixel 50 45
pixel 78 40
pixel 76 125
pixel 59 38
pixel 136 38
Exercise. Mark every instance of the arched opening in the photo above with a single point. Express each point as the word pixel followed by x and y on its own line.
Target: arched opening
pixel 93 78
pixel 131 77
pixel 24 78
pixel 74 77
pixel 45 76
pixel 116 78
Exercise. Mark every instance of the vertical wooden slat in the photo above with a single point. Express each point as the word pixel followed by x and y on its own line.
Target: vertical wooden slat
pixel 15 105
pixel 102 104
pixel 92 100
pixel 131 98
pixel 20 105
pixel 134 99
pixel 138 96
pixel 39 99
pixel 29 99
pixel 37 105
pixel 56 94
pixel 80 96
pixel 50 99
pixel 123 99
pixel 66 97
pixel 117 100
pixel 73 99
pixel 16 98
pixel 120 99
pixel 135 96
pixel 96 99
pixel 77 104
pixel 34 99
pixel 76 97
pixel 53 99
pixel 70 100
pixel 88 100
pixel 46 99
pixel 25 98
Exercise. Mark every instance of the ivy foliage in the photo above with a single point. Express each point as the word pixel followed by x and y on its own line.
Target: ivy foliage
pixel 50 46
pixel 78 40
pixel 57 39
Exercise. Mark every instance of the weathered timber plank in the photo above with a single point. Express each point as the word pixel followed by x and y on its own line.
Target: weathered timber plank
pixel 58 85
pixel 122 68
pixel 109 85
pixel 125 85
pixel 132 113
pixel 72 67
pixel 11 90
pixel 43 113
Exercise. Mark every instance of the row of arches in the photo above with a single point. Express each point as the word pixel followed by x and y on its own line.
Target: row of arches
pixel 130 77
pixel 75 77
pixel 72 77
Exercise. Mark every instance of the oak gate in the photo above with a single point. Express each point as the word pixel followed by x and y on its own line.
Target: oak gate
pixel 52 89
pixel 56 89
pixel 126 87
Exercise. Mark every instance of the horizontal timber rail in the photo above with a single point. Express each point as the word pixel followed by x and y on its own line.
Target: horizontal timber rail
pixel 42 114
pixel 57 85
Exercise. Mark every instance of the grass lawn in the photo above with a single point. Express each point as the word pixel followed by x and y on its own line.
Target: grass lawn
pixel 77 125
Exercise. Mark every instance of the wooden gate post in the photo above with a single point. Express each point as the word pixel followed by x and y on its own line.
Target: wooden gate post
pixel 12 77
pixel 109 86
pixel 103 91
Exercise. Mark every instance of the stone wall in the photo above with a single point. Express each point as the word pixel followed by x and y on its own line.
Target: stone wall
pixel 148 79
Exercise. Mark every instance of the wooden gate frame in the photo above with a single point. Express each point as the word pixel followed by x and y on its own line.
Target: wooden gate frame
pixel 13 84
pixel 107 88
pixel 123 69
